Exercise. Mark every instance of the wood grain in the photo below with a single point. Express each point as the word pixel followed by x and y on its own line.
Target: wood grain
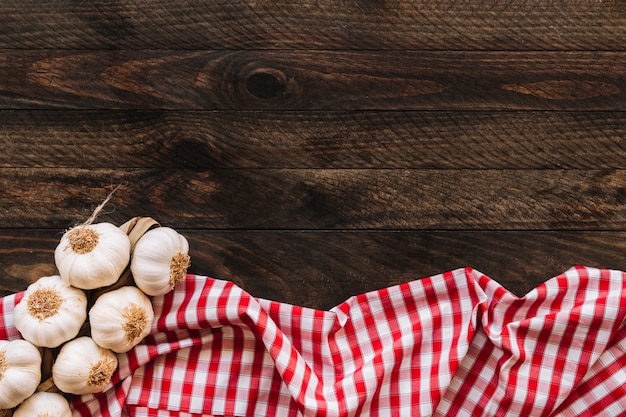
pixel 322 198
pixel 313 80
pixel 311 151
pixel 279 139
pixel 321 269
pixel 422 24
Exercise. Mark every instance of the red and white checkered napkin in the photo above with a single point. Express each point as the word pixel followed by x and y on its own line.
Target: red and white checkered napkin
pixel 455 344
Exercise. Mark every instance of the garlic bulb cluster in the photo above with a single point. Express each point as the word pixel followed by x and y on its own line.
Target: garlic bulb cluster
pixel 92 256
pixel 51 312
pixel 20 371
pixel 44 404
pixel 97 307
pixel 160 260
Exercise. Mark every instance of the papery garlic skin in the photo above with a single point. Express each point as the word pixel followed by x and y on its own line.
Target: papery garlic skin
pixel 20 371
pixel 92 256
pixel 40 404
pixel 83 367
pixel 51 312
pixel 160 260
pixel 121 318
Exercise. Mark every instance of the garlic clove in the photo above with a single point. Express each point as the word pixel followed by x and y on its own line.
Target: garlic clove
pixel 20 371
pixel 121 318
pixel 159 260
pixel 83 367
pixel 44 404
pixel 92 256
pixel 51 312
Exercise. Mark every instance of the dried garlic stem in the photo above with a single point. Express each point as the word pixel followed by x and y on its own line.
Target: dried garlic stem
pixel 100 207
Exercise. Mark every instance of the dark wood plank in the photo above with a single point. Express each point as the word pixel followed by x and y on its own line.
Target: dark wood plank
pixel 321 269
pixel 273 139
pixel 313 80
pixel 195 24
pixel 322 198
pixel 25 256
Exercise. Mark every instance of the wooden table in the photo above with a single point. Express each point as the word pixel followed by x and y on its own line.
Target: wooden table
pixel 315 150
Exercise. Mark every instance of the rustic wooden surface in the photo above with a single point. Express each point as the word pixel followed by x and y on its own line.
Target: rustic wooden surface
pixel 312 151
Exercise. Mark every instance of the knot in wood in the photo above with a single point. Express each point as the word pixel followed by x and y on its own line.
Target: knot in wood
pixel 266 84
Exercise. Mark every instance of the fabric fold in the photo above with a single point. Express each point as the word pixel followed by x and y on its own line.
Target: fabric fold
pixel 454 344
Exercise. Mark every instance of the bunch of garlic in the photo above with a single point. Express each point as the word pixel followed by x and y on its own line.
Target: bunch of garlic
pixel 55 312
pixel 94 256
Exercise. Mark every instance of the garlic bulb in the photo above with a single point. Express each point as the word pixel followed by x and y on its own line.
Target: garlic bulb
pixel 20 371
pixel 83 367
pixel 121 318
pixel 51 312
pixel 160 260
pixel 92 256
pixel 44 404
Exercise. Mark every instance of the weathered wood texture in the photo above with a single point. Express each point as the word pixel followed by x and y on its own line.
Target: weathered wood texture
pixel 313 80
pixel 315 150
pixel 316 140
pixel 322 198
pixel 306 24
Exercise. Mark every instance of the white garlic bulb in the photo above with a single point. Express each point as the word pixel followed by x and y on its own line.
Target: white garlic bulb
pixel 20 371
pixel 121 318
pixel 44 404
pixel 92 256
pixel 160 260
pixel 51 312
pixel 83 367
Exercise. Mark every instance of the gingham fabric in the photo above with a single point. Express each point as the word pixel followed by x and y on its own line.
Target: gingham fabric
pixel 455 344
